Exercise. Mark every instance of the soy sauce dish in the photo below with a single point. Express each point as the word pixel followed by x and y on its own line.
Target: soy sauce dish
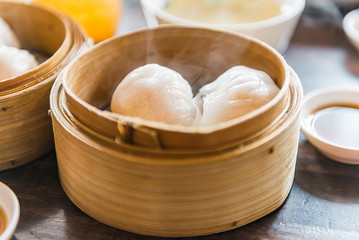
pixel 330 119
pixel 9 212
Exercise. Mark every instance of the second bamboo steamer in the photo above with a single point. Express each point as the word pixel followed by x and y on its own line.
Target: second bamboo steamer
pixel 25 127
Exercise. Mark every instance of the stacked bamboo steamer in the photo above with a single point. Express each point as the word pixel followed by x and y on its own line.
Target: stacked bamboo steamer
pixel 25 128
pixel 161 180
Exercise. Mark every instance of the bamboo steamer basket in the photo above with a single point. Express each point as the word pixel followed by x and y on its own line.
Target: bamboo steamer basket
pixel 154 187
pixel 25 128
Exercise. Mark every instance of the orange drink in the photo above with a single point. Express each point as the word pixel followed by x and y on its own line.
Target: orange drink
pixel 98 17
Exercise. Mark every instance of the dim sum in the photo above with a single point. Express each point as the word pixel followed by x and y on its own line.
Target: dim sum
pixel 15 61
pixel 235 93
pixel 7 36
pixel 155 93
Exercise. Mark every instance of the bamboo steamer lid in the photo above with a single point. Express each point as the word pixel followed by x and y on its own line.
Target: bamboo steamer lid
pixel 25 128
pixel 165 191
pixel 197 54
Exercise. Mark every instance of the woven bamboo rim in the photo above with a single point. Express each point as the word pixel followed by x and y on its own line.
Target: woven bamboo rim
pixel 176 194
pixel 25 129
pixel 171 46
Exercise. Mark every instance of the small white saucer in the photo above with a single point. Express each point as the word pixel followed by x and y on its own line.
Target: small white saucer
pixel 351 27
pixel 10 205
pixel 333 96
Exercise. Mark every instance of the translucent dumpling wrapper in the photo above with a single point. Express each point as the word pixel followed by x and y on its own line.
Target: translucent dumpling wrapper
pixel 155 93
pixel 7 36
pixel 15 61
pixel 236 92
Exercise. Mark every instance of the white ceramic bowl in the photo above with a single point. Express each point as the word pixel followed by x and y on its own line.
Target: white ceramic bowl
pixel 10 205
pixel 351 27
pixel 332 96
pixel 276 31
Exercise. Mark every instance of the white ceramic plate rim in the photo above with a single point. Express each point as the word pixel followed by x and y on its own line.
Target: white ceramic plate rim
pixel 351 24
pixel 14 219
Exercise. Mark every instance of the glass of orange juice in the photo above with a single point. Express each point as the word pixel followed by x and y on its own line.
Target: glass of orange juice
pixel 98 17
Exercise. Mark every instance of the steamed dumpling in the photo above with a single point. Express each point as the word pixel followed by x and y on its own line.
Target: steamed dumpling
pixel 15 61
pixel 236 92
pixel 155 93
pixel 7 36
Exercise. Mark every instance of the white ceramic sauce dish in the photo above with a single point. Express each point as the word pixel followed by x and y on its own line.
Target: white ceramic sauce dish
pixel 10 207
pixel 319 132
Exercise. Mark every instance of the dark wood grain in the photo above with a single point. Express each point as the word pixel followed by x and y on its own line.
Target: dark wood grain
pixel 323 202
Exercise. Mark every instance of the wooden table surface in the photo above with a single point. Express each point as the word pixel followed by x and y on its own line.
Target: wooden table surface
pixel 323 202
